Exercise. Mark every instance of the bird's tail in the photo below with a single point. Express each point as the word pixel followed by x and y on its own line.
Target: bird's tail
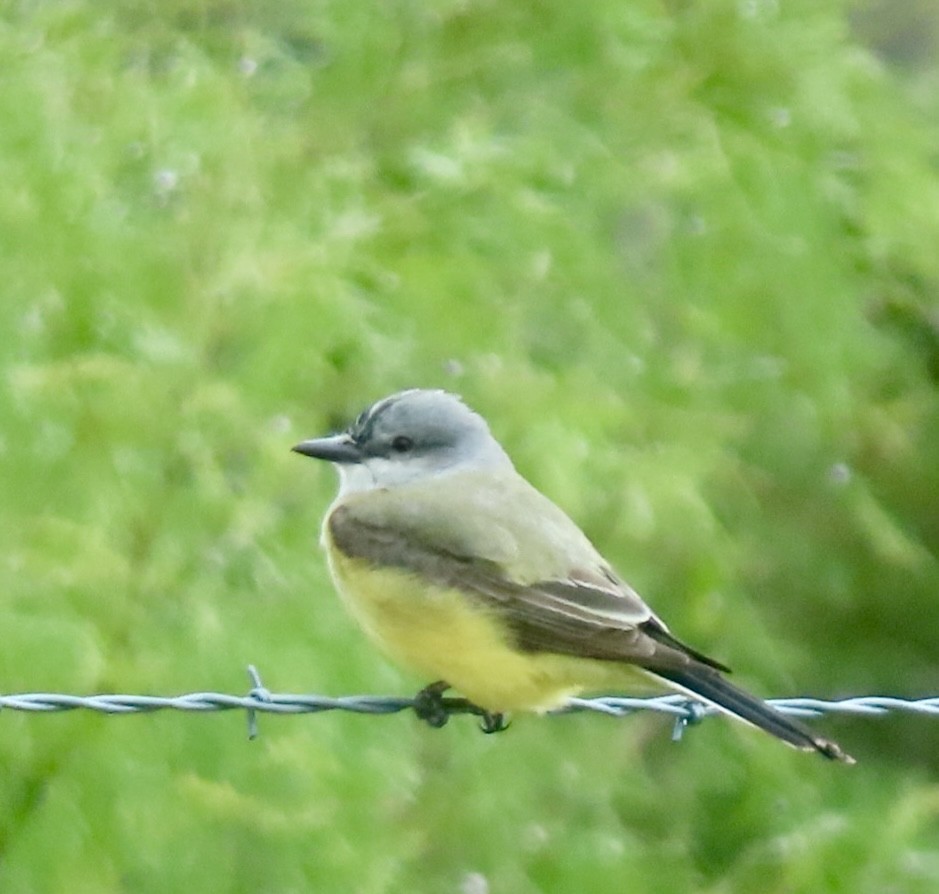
pixel 707 685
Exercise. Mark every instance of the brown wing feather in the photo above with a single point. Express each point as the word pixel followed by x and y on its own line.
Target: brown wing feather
pixel 591 615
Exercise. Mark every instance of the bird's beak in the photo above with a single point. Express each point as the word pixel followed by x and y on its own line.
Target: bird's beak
pixel 334 449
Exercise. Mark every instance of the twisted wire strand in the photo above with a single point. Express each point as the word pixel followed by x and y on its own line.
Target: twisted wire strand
pixel 259 700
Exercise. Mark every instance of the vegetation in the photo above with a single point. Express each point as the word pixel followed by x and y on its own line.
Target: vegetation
pixel 681 255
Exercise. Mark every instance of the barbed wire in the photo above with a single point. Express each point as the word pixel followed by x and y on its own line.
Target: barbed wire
pixel 259 699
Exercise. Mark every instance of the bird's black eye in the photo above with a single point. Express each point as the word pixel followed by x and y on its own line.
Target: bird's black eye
pixel 402 444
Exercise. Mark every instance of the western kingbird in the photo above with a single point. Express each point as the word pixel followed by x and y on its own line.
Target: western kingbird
pixel 460 569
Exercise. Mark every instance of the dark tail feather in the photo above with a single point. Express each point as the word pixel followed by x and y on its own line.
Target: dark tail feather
pixel 709 686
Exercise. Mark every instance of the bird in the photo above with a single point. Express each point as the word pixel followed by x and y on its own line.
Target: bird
pixel 461 570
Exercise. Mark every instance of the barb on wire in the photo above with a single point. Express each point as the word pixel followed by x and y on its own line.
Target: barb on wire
pixel 684 710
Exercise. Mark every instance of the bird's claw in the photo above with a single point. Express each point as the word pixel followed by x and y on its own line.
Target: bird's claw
pixel 429 705
pixel 492 723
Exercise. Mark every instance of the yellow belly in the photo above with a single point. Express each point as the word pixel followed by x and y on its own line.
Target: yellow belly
pixel 445 635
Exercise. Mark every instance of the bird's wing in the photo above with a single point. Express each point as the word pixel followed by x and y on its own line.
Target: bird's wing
pixel 580 607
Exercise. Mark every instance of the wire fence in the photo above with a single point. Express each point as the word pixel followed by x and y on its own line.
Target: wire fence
pixel 260 700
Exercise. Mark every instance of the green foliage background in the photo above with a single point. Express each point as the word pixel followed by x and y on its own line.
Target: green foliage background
pixel 682 255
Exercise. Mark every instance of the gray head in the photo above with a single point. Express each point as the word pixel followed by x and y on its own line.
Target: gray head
pixel 408 436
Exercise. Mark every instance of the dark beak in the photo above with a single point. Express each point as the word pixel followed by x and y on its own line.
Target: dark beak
pixel 334 449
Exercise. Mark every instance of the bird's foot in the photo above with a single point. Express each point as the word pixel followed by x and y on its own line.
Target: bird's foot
pixel 429 705
pixel 492 722
pixel 435 710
